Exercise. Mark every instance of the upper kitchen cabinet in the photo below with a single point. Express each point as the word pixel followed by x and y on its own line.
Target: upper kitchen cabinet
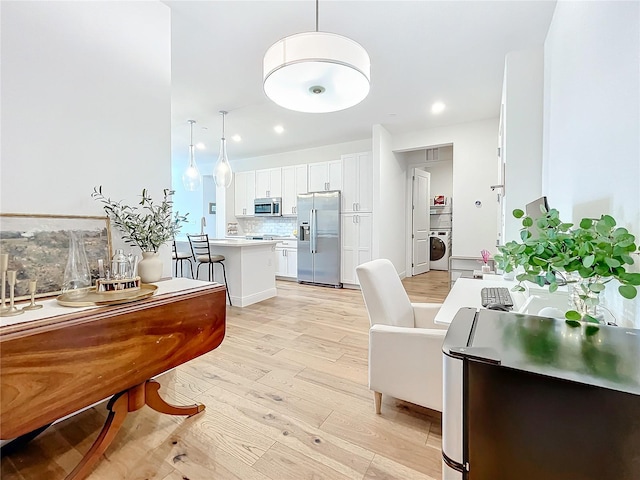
pixel 357 182
pixel 269 183
pixel 294 181
pixel 325 176
pixel 245 193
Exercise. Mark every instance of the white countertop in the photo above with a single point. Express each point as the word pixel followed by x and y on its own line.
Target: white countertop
pixel 233 242
pixel 239 242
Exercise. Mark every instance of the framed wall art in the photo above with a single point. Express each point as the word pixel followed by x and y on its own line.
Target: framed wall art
pixel 38 247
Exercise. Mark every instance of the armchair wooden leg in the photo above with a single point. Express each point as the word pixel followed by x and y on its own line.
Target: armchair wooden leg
pixel 377 398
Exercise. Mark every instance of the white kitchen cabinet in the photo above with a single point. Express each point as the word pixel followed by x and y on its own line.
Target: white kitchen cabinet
pixel 287 259
pixel 357 182
pixel 294 181
pixel 325 176
pixel 269 183
pixel 245 193
pixel 357 235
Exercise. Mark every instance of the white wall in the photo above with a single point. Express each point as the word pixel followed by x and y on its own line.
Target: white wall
pixel 522 135
pixel 187 202
pixel 441 171
pixel 390 176
pixel 86 100
pixel 591 163
pixel 474 170
pixel 441 179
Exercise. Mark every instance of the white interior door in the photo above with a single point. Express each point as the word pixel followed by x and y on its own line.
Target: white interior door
pixel 421 194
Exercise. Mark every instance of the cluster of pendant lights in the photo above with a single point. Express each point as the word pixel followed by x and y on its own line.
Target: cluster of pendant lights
pixel 222 173
pixel 311 72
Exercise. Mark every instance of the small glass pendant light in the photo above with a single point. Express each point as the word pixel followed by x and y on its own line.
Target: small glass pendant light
pixel 222 173
pixel 191 176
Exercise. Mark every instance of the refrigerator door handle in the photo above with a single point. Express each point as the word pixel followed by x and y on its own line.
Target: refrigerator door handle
pixel 313 230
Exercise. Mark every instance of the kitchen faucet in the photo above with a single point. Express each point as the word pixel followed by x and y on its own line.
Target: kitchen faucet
pixel 203 223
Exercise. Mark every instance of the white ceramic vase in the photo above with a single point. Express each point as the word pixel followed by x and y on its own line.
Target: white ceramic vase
pixel 150 267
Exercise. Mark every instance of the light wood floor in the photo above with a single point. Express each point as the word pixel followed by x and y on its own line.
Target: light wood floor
pixel 286 399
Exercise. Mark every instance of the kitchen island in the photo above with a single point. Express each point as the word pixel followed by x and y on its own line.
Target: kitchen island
pixel 250 266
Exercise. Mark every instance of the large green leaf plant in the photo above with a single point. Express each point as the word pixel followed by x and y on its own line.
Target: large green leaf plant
pixel 148 225
pixel 593 254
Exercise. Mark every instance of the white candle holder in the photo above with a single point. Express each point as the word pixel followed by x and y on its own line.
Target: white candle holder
pixel 4 264
pixel 32 290
pixel 12 309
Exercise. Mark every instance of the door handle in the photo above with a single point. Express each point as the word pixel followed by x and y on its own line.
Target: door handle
pixel 314 228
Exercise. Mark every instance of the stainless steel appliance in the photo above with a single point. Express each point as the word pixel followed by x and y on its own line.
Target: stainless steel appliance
pixel 268 207
pixel 530 398
pixel 319 238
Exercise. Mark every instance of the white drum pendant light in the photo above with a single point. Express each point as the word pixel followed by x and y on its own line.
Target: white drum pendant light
pixel 316 72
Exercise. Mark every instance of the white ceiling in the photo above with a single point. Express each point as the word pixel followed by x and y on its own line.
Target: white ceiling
pixel 421 52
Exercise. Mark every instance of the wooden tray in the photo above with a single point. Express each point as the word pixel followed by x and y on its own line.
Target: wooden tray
pixel 91 297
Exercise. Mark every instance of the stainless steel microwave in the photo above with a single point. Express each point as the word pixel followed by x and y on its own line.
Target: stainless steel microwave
pixel 268 207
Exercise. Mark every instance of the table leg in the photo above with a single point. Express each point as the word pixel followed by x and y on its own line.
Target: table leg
pixel 119 405
pixel 117 413
pixel 156 402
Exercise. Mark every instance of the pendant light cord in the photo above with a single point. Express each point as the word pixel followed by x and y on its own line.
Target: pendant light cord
pixel 316 15
pixel 224 114
pixel 191 122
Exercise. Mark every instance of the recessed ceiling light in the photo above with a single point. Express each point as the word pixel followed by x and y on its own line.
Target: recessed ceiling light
pixel 236 138
pixel 200 146
pixel 437 107
pixel 278 129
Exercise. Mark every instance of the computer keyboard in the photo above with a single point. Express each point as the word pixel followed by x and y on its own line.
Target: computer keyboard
pixel 496 295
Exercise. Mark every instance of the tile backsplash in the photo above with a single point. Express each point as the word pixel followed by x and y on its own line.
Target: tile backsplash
pixel 282 226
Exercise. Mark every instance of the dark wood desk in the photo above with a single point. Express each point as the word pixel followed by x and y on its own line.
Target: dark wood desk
pixel 52 367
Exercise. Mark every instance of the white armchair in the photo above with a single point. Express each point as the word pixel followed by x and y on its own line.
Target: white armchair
pixel 405 345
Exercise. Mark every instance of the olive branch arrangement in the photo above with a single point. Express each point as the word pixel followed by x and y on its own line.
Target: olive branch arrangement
pixel 147 226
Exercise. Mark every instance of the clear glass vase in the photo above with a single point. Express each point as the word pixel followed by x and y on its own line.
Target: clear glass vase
pixel 77 277
pixel 583 299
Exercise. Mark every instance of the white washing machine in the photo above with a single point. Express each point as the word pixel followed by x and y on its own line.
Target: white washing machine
pixel 440 249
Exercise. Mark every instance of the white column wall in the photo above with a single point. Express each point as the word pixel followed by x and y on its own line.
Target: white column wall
pixel 390 204
pixel 522 120
pixel 86 101
pixel 474 171
pixel 591 162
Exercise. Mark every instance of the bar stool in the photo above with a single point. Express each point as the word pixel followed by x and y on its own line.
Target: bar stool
pixel 179 258
pixel 202 254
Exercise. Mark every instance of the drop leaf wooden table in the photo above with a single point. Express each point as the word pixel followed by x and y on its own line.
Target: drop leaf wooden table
pixel 65 360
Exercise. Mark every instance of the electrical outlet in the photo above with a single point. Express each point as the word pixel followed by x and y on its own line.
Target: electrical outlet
pixel 269 264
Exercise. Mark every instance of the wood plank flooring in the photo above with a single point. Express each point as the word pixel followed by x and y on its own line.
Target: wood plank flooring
pixel 286 399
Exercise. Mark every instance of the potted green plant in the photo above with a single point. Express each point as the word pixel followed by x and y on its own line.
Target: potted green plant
pixel 587 258
pixel 147 226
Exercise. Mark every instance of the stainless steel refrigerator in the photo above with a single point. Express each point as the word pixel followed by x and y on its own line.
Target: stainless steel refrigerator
pixel 319 238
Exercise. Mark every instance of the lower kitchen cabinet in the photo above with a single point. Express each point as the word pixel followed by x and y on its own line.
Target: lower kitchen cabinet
pixel 287 259
pixel 357 233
